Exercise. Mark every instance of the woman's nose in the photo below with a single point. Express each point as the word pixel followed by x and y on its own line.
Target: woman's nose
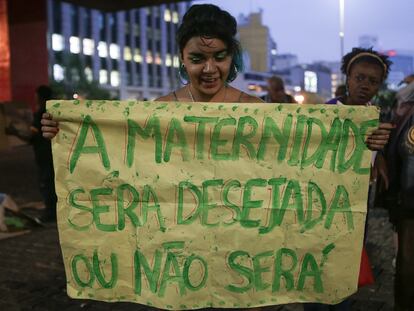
pixel 209 66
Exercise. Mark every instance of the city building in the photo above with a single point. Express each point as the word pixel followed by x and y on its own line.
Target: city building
pixel 131 53
pixel 402 66
pixel 313 78
pixel 337 78
pixel 284 61
pixel 256 40
pixel 252 82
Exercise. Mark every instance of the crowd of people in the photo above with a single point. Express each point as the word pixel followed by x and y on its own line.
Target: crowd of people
pixel 210 59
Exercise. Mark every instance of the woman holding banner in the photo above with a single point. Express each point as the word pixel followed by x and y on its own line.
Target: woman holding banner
pixel 210 58
pixel 365 71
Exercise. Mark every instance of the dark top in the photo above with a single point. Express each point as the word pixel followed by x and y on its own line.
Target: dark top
pixel 41 146
pixel 400 161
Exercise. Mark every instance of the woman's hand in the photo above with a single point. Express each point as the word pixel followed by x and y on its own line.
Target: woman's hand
pixel 379 138
pixel 49 127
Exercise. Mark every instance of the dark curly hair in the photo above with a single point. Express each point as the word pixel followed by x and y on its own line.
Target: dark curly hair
pixel 44 92
pixel 359 55
pixel 208 20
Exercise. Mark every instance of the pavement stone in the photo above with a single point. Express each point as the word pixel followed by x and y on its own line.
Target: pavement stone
pixel 32 275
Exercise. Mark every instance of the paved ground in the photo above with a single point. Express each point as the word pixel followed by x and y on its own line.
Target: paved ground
pixel 31 269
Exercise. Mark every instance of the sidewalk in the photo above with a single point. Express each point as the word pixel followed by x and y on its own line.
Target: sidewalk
pixel 32 276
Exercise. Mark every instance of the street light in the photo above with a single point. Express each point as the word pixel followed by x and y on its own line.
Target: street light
pixel 341 27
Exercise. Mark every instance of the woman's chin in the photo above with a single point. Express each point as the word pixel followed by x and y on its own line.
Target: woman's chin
pixel 211 88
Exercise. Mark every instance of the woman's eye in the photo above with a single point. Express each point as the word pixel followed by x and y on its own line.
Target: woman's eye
pixel 221 57
pixel 195 59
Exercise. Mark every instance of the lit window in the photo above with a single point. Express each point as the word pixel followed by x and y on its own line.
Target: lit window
pixel 137 56
pixel 102 49
pixel 88 74
pixel 58 72
pixel 103 76
pixel 311 81
pixel 88 46
pixel 175 18
pixel 127 53
pixel 74 45
pixel 58 42
pixel 158 60
pixel 114 51
pixel 176 62
pixel 114 78
pixel 149 58
pixel 168 60
pixel 167 15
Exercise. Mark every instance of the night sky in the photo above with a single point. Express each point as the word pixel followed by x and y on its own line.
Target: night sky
pixel 310 28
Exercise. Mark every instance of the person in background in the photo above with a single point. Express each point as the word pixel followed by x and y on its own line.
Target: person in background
pixel 276 91
pixel 365 71
pixel 340 90
pixel 406 92
pixel 399 196
pixel 42 153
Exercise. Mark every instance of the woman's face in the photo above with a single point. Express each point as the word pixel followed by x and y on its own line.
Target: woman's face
pixel 364 81
pixel 207 63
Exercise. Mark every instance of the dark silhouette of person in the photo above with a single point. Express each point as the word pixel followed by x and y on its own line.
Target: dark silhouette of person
pixel 276 91
pixel 42 152
pixel 340 90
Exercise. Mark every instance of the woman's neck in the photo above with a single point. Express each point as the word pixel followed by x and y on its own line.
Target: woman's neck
pixel 349 101
pixel 196 96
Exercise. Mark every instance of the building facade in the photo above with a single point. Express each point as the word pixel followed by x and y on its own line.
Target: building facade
pixel 256 41
pixel 312 78
pixel 133 53
pixel 402 66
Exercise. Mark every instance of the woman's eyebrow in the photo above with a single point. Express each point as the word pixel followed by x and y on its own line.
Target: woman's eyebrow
pixel 198 54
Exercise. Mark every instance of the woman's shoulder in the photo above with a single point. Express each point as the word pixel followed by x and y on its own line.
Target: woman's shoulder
pixel 247 98
pixel 242 97
pixel 165 98
pixel 175 96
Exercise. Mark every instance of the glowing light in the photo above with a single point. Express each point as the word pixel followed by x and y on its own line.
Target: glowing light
pixel 58 42
pixel 392 53
pixel 176 62
pixel 167 15
pixel 74 45
pixel 127 53
pixel 58 72
pixel 114 51
pixel 168 60
pixel 300 98
pixel 102 49
pixel 137 56
pixel 175 18
pixel 103 76
pixel 115 78
pixel 149 58
pixel 88 46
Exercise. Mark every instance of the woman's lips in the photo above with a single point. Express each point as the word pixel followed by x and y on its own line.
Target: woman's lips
pixel 209 82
